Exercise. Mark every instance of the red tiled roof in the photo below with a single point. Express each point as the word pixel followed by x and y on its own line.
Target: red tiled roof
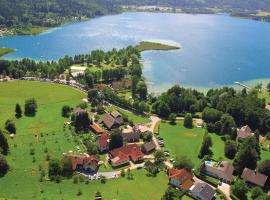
pixel 103 140
pixel 82 160
pixel 122 83
pixel 96 128
pixel 183 176
pixel 131 151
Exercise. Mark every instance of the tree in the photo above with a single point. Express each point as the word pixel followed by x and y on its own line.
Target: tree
pixel 184 162
pixel 171 194
pixel 227 125
pixel 152 168
pixel 230 149
pixel 264 167
pixel 172 118
pixel 18 111
pixel 98 196
pixel 93 97
pixel 247 155
pixel 82 121
pixel 66 111
pixel 91 147
pixel 3 165
pixel 205 148
pixel 30 107
pixel 257 192
pixel 142 90
pixel 3 143
pixel 89 79
pixel 211 115
pixel 159 157
pixel 239 189
pixel 54 169
pixel 188 121
pixel 147 136
pixel 116 139
pixel 67 170
pixel 10 127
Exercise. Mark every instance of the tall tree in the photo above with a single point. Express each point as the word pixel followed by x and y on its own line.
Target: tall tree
pixel 18 111
pixel 30 107
pixel 116 139
pixel 3 165
pixel 206 145
pixel 3 143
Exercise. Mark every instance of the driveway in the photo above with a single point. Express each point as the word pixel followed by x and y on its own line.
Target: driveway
pixel 225 189
pixel 153 129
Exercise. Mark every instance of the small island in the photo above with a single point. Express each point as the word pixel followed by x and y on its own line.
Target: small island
pixel 5 50
pixel 147 46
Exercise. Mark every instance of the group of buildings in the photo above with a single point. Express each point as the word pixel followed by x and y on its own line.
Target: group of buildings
pixel 131 152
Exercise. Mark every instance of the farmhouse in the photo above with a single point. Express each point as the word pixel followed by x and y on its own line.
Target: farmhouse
pixel 123 155
pixel 131 137
pixel 83 162
pixel 111 120
pixel 96 128
pixel 149 147
pixel 202 191
pixel 180 178
pixel 141 128
pixel 254 177
pixel 103 142
pixel 244 133
pixel 222 170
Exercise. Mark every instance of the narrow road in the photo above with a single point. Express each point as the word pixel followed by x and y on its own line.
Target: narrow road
pixel 154 128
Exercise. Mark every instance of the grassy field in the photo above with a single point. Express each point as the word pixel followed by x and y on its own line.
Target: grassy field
pixel 5 50
pixel 45 134
pixel 146 46
pixel 187 142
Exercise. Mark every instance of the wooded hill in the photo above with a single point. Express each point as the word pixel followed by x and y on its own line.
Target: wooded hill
pixel 48 13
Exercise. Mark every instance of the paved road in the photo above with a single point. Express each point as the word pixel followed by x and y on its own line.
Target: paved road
pixel 154 123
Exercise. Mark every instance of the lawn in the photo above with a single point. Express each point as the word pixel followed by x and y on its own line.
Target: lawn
pixel 187 142
pixel 182 141
pixel 45 134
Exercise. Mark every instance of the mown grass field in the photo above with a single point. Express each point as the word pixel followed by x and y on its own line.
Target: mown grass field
pixel 187 142
pixel 45 134
pixel 147 46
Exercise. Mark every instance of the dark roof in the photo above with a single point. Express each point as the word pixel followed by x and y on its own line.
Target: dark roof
pixel 115 114
pixel 108 120
pixel 131 136
pixel 254 177
pixel 204 191
pixel 149 146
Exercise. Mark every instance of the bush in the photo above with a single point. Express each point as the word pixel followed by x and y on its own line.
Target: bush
pixel 10 126
pixel 30 107
pixel 188 121
pixel 3 165
pixel 66 111
pixel 230 149
pixel 239 189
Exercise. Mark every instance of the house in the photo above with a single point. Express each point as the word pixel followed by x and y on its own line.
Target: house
pixel 202 191
pixel 96 128
pixel 83 162
pixel 122 155
pixel 180 178
pixel 149 147
pixel 222 170
pixel 254 177
pixel 121 84
pixel 141 128
pixel 112 120
pixel 131 137
pixel 244 133
pixel 103 142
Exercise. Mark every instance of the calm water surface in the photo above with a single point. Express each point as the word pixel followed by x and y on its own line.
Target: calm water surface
pixel 216 49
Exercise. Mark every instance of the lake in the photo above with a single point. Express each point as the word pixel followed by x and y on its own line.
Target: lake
pixel 216 49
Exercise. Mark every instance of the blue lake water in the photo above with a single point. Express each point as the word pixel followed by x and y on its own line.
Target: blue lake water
pixel 216 49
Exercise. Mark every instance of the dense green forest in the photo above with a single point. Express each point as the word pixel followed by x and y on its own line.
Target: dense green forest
pixel 48 13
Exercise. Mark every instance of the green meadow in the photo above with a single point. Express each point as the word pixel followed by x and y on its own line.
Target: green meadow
pixel 45 136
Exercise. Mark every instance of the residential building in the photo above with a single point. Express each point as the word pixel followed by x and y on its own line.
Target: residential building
pixel 111 120
pixel 149 147
pixel 121 84
pixel 83 162
pixel 96 128
pixel 131 137
pixel 103 142
pixel 244 133
pixel 141 128
pixel 122 155
pixel 180 178
pixel 254 177
pixel 202 191
pixel 222 170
